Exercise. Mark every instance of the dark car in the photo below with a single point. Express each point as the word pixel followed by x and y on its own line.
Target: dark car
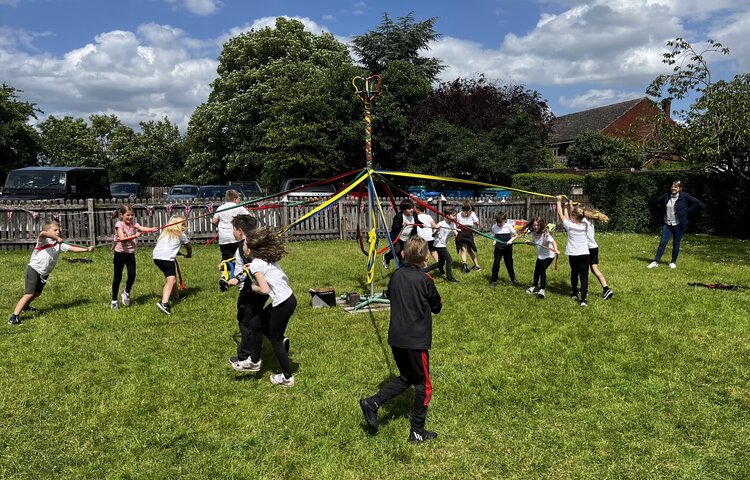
pixel 184 191
pixel 40 183
pixel 325 190
pixel 251 189
pixel 215 191
pixel 126 190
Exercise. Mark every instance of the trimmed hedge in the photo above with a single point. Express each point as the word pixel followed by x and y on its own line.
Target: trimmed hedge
pixel 552 183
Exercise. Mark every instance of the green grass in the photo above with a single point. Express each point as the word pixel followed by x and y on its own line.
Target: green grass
pixel 652 384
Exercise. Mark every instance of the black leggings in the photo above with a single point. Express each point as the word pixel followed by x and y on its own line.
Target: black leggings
pixel 273 320
pixel 540 272
pixel 506 253
pixel 122 260
pixel 579 268
pixel 444 260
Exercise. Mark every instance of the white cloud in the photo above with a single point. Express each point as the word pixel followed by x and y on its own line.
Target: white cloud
pixel 597 98
pixel 732 33
pixel 199 7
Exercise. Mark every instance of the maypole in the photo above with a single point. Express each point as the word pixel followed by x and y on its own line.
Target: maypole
pixel 368 89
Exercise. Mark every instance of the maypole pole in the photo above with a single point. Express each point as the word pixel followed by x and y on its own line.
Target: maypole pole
pixel 368 89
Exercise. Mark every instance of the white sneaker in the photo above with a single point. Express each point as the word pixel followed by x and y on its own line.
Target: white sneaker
pixel 652 265
pixel 530 290
pixel 540 292
pixel 279 379
pixel 125 299
pixel 115 305
pixel 245 365
pixel 672 265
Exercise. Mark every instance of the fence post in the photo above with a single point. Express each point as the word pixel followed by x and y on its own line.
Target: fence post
pixel 528 208
pixel 342 220
pixel 285 214
pixel 92 226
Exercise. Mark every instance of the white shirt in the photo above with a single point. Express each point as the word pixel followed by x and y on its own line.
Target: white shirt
pixel 669 216
pixel 577 241
pixel 425 232
pixel 503 229
pixel 167 247
pixel 542 241
pixel 591 242
pixel 43 258
pixel 276 279
pixel 445 231
pixel 468 221
pixel 225 214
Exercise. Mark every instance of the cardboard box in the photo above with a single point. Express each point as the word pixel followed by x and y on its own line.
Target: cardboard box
pixel 323 297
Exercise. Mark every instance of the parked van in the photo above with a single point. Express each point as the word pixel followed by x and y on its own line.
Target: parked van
pixel 43 183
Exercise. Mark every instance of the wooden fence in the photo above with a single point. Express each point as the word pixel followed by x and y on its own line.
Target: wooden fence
pixel 90 222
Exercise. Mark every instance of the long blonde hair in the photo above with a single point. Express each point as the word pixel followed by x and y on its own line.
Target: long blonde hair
pixel 594 214
pixel 176 227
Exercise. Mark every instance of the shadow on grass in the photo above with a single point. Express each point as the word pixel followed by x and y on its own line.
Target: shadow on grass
pixel 709 248
pixel 268 359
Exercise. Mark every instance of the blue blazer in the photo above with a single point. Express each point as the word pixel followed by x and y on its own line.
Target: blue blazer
pixel 684 205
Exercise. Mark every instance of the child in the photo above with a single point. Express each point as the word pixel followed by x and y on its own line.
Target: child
pixel 49 244
pixel 402 227
pixel 266 249
pixel 223 219
pixel 546 250
pixel 426 226
pixel 126 232
pixel 165 251
pixel 445 229
pixel 504 236
pixel 590 215
pixel 465 239
pixel 576 249
pixel 413 300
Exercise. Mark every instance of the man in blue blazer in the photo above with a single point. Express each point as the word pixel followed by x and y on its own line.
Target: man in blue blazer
pixel 675 207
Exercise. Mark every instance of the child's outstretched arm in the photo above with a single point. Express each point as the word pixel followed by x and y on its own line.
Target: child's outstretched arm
pixel 75 249
pixel 189 250
pixel 260 285
pixel 560 211
pixel 48 234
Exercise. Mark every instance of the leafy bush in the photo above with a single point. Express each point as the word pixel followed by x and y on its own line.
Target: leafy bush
pixel 597 150
pixel 550 183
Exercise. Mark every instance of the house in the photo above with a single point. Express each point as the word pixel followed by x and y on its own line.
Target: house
pixel 628 119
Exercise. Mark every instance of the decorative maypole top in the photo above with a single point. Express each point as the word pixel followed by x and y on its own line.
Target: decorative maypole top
pixel 367 89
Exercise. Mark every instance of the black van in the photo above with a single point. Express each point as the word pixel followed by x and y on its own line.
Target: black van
pixel 42 183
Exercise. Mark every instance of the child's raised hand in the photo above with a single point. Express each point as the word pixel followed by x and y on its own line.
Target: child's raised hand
pixel 558 198
pixel 90 249
pixel 233 281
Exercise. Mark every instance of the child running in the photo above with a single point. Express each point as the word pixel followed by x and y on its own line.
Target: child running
pixel 126 233
pixel 49 244
pixel 546 250
pixel 167 247
pixel 589 217
pixel 265 249
pixel 465 240
pixel 576 249
pixel 414 299
pixel 445 229
pixel 223 219
pixel 402 227
pixel 426 227
pixel 504 236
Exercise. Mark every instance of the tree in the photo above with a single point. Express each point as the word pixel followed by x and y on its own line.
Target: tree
pixel 161 153
pixel 716 130
pixel 510 122
pixel 282 106
pixel 598 150
pixel 19 142
pixel 69 142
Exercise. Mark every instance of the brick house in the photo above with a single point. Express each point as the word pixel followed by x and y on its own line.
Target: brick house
pixel 628 119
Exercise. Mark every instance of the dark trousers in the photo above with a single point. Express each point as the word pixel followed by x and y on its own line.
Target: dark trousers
pixel 121 261
pixel 675 233
pixel 504 252
pixel 444 261
pixel 249 308
pixel 397 247
pixel 579 269
pixel 414 369
pixel 540 272
pixel 272 323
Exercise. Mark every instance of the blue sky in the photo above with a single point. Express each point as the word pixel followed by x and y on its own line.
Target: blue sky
pixel 144 59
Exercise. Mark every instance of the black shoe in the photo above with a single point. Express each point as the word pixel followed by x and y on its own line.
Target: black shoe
pixel 514 282
pixel 29 308
pixel 286 344
pixel 442 271
pixel 14 320
pixel 164 307
pixel 465 268
pixel 415 437
pixel 493 284
pixel 223 285
pixel 608 294
pixel 451 279
pixel 370 411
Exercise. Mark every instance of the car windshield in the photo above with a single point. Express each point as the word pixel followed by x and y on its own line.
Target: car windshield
pixel 183 190
pixel 317 188
pixel 212 192
pixel 35 181
pixel 123 188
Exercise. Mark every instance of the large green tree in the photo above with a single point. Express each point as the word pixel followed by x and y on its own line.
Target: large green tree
pixel 69 142
pixel 598 150
pixel 19 142
pixel 716 130
pixel 283 105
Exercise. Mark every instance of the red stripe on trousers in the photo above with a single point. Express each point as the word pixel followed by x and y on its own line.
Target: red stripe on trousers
pixel 427 381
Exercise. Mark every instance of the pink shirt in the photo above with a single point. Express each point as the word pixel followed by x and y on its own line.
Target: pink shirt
pixel 128 230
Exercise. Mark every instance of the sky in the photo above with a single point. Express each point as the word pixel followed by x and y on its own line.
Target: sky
pixel 145 59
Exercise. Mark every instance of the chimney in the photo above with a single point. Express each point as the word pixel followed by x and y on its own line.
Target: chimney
pixel 666 106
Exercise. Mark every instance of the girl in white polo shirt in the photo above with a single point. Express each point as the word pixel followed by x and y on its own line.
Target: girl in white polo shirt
pixel 576 249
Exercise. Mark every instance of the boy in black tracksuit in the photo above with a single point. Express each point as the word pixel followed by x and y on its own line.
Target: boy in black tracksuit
pixel 413 299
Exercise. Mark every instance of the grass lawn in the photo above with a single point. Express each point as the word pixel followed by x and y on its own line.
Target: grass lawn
pixel 654 383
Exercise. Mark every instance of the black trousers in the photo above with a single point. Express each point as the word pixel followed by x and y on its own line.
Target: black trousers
pixel 272 322
pixel 414 369
pixel 397 247
pixel 506 253
pixel 249 307
pixel 579 269
pixel 540 272
pixel 444 261
pixel 122 260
